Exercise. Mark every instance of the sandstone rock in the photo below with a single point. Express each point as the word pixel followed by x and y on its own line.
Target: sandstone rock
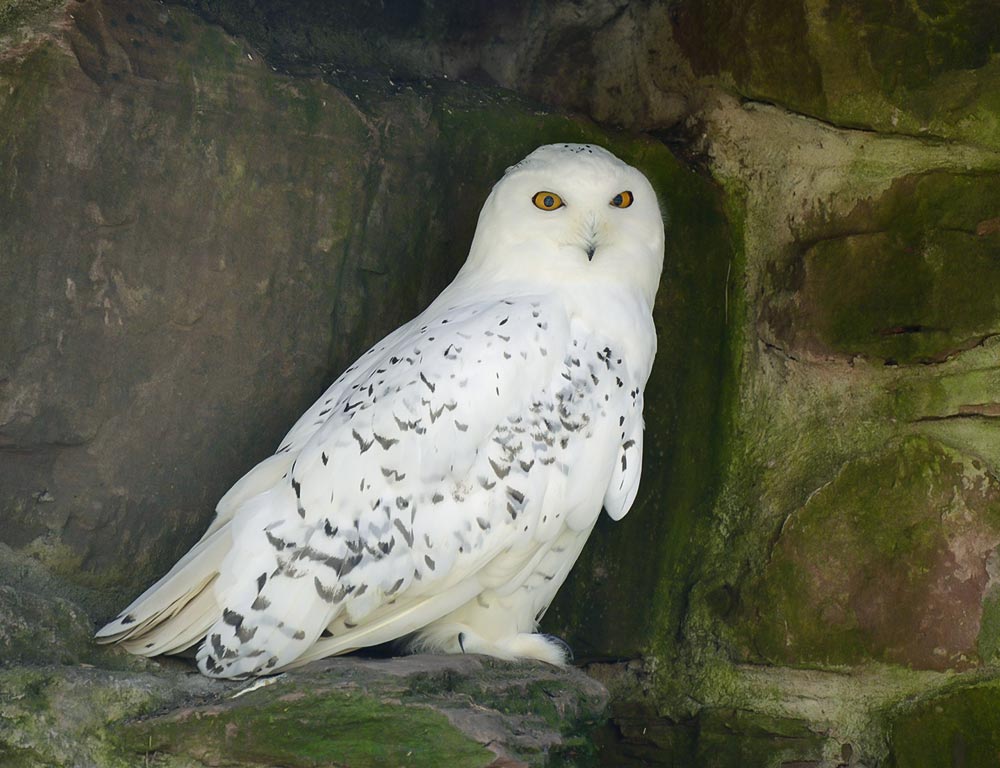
pixel 892 560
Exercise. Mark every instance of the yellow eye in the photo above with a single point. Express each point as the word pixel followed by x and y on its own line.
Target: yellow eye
pixel 547 201
pixel 622 199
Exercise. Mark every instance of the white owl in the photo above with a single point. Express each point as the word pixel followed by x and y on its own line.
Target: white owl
pixel 442 488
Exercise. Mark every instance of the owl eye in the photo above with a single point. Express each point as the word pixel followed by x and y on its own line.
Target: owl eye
pixel 622 199
pixel 547 201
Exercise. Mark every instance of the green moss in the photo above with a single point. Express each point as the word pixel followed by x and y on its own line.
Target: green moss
pixel 988 644
pixel 300 729
pixel 866 570
pixel 735 737
pixel 960 728
pixel 928 68
pixel 214 49
pixel 17 17
pixel 909 44
pixel 911 277
pixel 59 715
pixel 563 706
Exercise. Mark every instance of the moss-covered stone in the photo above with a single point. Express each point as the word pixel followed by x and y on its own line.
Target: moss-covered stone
pixel 958 728
pixel 894 66
pixel 420 711
pixel 911 277
pixel 302 729
pixel 890 560
pixel 34 629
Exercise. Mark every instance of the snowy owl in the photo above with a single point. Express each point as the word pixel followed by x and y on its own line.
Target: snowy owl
pixel 442 488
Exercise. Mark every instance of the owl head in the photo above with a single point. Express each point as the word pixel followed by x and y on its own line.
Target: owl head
pixel 570 214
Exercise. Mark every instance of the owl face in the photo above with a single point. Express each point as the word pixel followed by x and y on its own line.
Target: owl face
pixel 571 213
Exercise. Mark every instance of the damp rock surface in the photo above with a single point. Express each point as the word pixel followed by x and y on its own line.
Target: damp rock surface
pixel 418 710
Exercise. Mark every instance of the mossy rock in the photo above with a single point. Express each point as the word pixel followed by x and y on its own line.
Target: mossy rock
pixel 957 729
pixel 418 710
pixel 891 560
pixel 302 729
pixel 35 629
pixel 923 68
pixel 911 277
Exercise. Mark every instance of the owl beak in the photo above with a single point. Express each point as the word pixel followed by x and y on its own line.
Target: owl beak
pixel 590 240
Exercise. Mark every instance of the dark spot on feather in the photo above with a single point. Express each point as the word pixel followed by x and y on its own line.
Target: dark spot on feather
pixel 364 445
pixel 407 534
pixel 385 442
pixel 261 603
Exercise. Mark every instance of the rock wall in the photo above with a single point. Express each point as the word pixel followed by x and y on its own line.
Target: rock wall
pixel 200 227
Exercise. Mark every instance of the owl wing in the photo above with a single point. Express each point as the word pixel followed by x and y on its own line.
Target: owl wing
pixel 380 521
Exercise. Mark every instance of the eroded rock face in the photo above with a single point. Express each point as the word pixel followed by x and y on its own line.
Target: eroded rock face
pixel 169 267
pixel 905 278
pixel 892 560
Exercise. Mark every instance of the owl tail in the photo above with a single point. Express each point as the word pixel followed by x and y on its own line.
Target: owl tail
pixel 176 611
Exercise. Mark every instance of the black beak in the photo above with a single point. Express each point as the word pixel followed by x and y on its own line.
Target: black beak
pixel 591 249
